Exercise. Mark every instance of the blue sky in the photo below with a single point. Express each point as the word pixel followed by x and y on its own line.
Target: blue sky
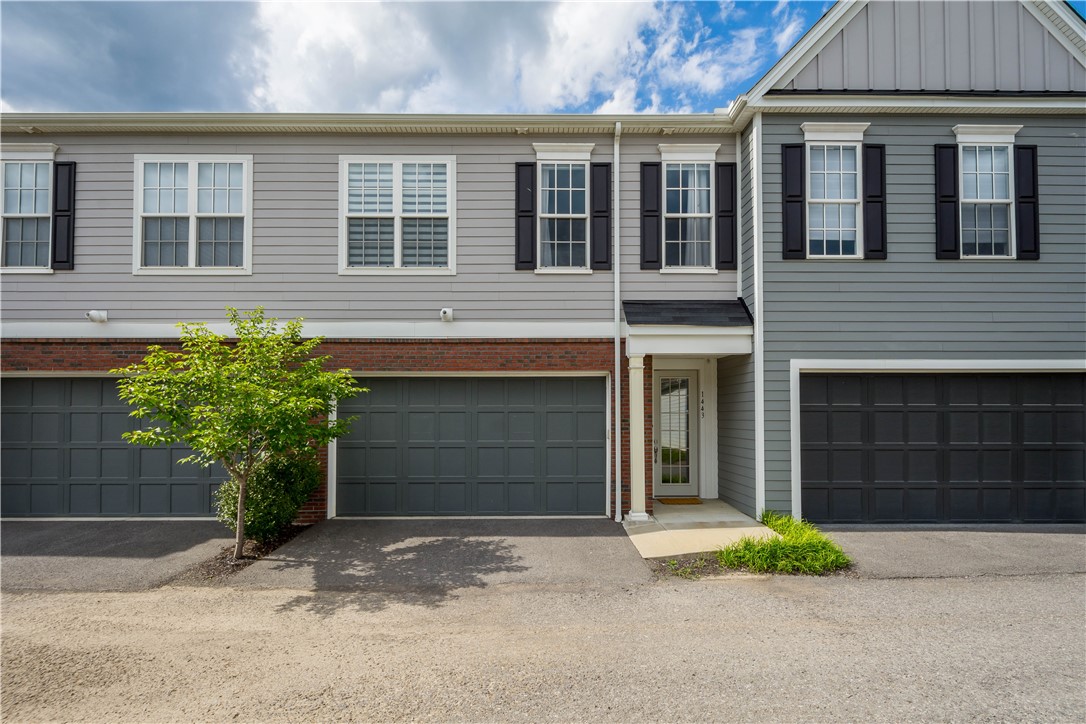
pixel 418 57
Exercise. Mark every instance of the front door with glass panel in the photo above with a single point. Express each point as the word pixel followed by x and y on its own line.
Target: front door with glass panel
pixel 675 469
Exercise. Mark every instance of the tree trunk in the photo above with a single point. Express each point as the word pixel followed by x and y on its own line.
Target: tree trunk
pixel 239 543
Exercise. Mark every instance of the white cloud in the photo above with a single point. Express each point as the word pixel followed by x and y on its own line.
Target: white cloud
pixel 790 25
pixel 494 57
pixel 6 107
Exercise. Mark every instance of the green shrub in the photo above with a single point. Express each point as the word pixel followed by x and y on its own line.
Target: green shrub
pixel 801 548
pixel 277 490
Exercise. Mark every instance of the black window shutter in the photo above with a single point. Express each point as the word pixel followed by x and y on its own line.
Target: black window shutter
pixel 947 234
pixel 525 203
pixel 651 218
pixel 600 214
pixel 1025 202
pixel 874 201
pixel 726 202
pixel 64 215
pixel 793 220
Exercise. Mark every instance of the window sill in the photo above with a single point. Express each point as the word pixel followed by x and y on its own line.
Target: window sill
pixel 394 271
pixel 557 270
pixel 839 257
pixel 985 258
pixel 25 270
pixel 192 272
pixel 688 270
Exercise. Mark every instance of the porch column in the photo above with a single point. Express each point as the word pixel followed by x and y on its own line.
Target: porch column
pixel 637 439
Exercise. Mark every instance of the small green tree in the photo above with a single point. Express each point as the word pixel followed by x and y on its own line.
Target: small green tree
pixel 239 402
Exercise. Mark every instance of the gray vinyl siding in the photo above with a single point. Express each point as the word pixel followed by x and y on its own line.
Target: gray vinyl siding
pixel 650 284
pixel 295 238
pixel 939 45
pixel 911 306
pixel 735 436
pixel 746 231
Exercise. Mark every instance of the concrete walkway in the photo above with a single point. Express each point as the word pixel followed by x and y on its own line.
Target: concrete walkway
pixel 682 530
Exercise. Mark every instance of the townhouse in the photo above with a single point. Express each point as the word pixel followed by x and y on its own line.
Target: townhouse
pixel 856 294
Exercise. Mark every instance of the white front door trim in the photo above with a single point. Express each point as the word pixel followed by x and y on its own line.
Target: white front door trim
pixel 707 442
pixel 799 366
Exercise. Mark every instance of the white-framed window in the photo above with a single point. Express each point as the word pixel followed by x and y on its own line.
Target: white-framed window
pixel 833 183
pixel 986 190
pixel 27 207
pixel 193 214
pixel 688 205
pixel 397 214
pixel 563 228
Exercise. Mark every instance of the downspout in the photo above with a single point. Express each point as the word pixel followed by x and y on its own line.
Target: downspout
pixel 616 262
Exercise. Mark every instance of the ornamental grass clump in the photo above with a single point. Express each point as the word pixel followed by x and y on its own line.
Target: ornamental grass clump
pixel 801 548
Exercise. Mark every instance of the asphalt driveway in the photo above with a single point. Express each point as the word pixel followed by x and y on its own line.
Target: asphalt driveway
pixel 548 620
pixel 106 555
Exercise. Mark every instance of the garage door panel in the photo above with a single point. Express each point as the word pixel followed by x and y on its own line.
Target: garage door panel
pixel 15 463
pixel 1070 426
pixel 1070 465
pixel 14 498
pixel 44 464
pixel 846 427
pixel 45 427
pixel 45 499
pixel 1070 504
pixel 478 445
pixel 976 448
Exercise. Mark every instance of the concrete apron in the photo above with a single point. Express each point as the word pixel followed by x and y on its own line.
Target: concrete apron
pixel 682 530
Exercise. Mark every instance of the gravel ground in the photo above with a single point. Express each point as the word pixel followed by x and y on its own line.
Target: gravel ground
pixel 730 648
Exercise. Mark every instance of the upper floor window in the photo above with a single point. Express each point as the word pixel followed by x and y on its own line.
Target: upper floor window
pixel 986 200
pixel 193 214
pixel 986 195
pixel 397 214
pixel 688 215
pixel 27 214
pixel 563 219
pixel 26 207
pixel 834 212
pixel 833 202
pixel 688 207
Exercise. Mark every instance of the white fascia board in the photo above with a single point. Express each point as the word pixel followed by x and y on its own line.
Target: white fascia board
pixel 796 103
pixel 937 365
pixel 813 132
pixel 331 330
pixel 28 151
pixel 677 330
pixel 563 151
pixel 688 151
pixel 1067 26
pixel 973 133
pixel 673 345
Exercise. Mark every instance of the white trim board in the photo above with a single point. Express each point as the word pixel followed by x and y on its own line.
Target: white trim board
pixel 799 366
pixel 332 330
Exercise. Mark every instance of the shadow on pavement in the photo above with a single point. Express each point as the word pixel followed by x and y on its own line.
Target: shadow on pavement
pixel 106 555
pixel 372 564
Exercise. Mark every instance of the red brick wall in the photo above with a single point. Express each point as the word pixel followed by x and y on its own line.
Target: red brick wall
pixel 395 355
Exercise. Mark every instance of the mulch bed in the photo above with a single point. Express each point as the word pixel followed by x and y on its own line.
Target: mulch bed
pixel 220 567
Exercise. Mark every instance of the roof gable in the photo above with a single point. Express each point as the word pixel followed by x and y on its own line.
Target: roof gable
pixel 937 46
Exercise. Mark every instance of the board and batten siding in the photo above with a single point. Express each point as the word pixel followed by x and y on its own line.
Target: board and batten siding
pixel 911 306
pixel 296 245
pixel 980 45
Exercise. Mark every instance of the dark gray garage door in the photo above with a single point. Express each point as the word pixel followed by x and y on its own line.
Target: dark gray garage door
pixel 943 448
pixel 62 455
pixel 488 446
